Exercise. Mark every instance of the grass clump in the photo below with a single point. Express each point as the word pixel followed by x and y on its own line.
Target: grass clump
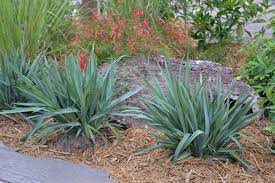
pixel 195 121
pixel 12 68
pixel 35 26
pixel 71 99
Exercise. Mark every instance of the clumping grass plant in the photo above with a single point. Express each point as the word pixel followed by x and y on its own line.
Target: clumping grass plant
pixel 12 67
pixel 71 99
pixel 196 121
pixel 35 26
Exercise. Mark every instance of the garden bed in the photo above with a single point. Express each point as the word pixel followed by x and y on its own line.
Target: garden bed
pixel 73 108
pixel 119 159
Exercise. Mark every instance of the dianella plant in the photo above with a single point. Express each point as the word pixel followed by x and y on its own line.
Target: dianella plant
pixel 72 98
pixel 195 120
pixel 13 67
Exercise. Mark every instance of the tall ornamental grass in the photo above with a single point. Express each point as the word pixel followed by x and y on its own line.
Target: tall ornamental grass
pixel 34 26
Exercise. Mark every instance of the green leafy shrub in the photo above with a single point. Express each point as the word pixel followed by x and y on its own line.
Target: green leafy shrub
pixel 259 72
pixel 12 67
pixel 194 121
pixel 219 20
pixel 72 98
pixel 35 26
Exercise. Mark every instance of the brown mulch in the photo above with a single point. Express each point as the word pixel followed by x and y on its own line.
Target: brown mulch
pixel 119 160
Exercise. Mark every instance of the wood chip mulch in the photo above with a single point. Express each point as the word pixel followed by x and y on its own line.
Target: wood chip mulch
pixel 119 159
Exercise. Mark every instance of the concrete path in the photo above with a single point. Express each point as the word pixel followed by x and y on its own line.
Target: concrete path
pixel 19 168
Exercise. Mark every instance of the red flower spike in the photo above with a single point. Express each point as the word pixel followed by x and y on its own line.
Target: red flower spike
pixel 140 32
pixel 138 13
pixel 121 23
pixel 147 33
pixel 146 23
pixel 83 64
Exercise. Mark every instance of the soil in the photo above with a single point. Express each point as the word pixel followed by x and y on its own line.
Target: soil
pixel 119 159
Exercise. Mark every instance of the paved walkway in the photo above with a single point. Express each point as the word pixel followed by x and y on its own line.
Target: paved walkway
pixel 19 168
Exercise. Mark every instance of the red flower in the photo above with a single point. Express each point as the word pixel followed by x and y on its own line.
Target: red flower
pixel 146 33
pixel 117 30
pixel 138 13
pixel 140 32
pixel 146 23
pixel 83 64
pixel 119 33
pixel 121 23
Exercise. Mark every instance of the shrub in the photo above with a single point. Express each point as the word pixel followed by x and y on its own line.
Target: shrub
pixel 35 26
pixel 72 98
pixel 194 121
pixel 218 20
pixel 12 67
pixel 259 72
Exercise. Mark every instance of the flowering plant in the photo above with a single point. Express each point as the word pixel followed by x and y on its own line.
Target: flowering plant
pixel 82 60
pixel 115 35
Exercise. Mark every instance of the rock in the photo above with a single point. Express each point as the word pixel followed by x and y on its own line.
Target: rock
pixel 132 72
